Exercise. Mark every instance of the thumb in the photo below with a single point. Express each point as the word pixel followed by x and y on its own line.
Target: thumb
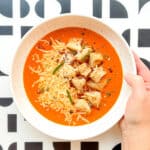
pixel 137 84
pixel 142 70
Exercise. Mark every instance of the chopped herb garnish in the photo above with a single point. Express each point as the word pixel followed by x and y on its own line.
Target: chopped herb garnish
pixel 74 52
pixel 69 96
pixel 104 83
pixel 110 70
pixel 47 89
pixel 50 42
pixel 58 67
pixel 106 57
pixel 108 80
pixel 71 111
pixel 108 94
pixel 82 33
pixel 40 90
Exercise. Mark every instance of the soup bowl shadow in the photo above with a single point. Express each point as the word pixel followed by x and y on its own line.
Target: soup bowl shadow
pixel 32 115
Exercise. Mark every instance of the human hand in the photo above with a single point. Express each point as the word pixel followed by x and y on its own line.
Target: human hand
pixel 135 125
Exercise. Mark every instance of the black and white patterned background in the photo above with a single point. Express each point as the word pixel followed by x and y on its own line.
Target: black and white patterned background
pixel 131 19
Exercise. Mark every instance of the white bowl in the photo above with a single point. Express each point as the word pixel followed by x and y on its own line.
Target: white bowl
pixel 31 114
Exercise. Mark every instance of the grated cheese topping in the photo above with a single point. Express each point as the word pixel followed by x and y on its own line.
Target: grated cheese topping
pixel 58 68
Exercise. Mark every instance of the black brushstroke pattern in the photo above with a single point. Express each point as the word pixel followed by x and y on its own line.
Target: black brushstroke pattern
pixel 3 74
pixel 1 147
pixel 117 10
pixel 24 30
pixel 97 8
pixel 144 37
pixel 33 146
pixel 117 147
pixel 6 30
pixel 65 6
pixel 142 3
pixel 89 146
pixel 6 101
pixel 24 8
pixel 126 35
pixel 13 146
pixel 12 122
pixel 6 8
pixel 61 145
pixel 39 8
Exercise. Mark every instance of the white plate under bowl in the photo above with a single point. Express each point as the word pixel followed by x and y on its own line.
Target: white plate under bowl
pixel 32 115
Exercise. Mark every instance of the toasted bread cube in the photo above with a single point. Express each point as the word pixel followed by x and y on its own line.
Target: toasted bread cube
pixel 84 69
pixel 93 97
pixel 82 55
pixel 95 59
pixel 69 58
pixel 78 83
pixel 68 71
pixel 82 105
pixel 98 86
pixel 94 85
pixel 97 74
pixel 75 44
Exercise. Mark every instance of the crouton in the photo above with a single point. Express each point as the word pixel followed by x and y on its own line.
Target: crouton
pixel 69 58
pixel 82 105
pixel 93 97
pixel 74 44
pixel 95 59
pixel 84 69
pixel 83 55
pixel 68 71
pixel 78 83
pixel 97 74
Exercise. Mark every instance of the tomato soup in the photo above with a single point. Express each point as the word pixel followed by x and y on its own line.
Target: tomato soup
pixel 73 76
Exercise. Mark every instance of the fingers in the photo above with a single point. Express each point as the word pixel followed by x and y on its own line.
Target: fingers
pixel 137 84
pixel 135 81
pixel 142 70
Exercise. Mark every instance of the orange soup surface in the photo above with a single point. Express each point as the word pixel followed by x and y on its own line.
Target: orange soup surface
pixel 72 76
